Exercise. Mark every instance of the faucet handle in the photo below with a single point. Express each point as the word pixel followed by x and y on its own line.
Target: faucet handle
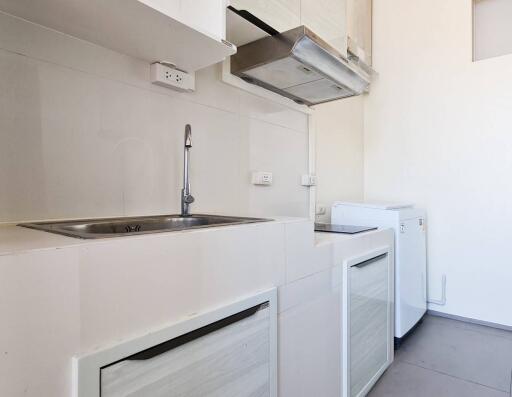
pixel 188 199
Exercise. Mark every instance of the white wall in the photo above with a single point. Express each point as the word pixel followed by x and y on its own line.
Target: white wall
pixel 84 134
pixel 339 152
pixel 438 133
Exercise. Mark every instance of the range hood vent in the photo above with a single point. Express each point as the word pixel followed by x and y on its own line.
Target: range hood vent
pixel 299 65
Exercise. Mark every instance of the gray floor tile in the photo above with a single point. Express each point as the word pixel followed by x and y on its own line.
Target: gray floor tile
pixel 406 380
pixel 469 326
pixel 461 350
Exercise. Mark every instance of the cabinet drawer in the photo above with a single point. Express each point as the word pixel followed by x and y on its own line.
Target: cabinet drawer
pixel 230 361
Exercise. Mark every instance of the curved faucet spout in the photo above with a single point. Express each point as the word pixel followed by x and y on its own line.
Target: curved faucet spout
pixel 188 136
pixel 186 197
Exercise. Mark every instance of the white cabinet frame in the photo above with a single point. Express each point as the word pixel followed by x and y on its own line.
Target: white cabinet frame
pixel 86 368
pixel 345 305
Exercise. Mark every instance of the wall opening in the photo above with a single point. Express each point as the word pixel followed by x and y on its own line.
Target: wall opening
pixel 492 28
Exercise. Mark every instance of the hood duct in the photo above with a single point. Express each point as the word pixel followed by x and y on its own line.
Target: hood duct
pixel 299 65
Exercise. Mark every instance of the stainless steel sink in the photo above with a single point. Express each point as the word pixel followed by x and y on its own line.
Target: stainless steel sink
pixel 116 227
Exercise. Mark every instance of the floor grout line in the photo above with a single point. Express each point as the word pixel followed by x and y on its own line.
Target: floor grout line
pixel 452 376
pixel 510 388
pixel 459 328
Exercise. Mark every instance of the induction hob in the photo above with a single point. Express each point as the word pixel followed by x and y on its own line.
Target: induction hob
pixel 346 229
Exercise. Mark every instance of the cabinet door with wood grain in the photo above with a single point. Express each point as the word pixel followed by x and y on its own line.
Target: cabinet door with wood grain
pixel 369 322
pixel 233 361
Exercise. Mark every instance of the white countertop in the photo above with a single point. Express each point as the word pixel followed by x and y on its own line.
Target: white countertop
pixel 15 239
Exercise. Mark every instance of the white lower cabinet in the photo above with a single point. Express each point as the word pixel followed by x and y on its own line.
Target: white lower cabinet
pixel 309 348
pixel 230 351
pixel 231 361
pixel 368 321
pixel 335 333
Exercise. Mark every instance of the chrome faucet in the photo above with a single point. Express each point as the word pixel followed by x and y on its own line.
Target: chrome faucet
pixel 186 197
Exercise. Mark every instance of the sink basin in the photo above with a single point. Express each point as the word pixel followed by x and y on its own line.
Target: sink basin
pixel 116 227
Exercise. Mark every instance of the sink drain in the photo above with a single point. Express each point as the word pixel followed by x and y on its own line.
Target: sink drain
pixel 132 228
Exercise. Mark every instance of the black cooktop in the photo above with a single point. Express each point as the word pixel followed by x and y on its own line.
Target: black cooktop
pixel 347 229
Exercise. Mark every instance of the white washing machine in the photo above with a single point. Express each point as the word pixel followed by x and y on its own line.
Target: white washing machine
pixel 410 254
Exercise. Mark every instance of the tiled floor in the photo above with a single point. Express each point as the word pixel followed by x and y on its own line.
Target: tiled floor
pixel 448 358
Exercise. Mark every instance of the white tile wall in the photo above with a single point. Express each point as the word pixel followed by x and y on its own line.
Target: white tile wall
pixel 84 134
pixel 339 133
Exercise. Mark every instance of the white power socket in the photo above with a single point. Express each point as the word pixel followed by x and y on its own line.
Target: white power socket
pixel 308 180
pixel 169 77
pixel 320 210
pixel 261 178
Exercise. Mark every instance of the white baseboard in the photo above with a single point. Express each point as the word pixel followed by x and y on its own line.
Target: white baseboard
pixel 470 320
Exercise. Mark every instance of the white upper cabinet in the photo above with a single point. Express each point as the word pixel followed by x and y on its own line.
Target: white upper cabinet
pixel 282 15
pixel 168 7
pixel 359 29
pixel 344 24
pixel 204 15
pixel 327 18
pixel 187 33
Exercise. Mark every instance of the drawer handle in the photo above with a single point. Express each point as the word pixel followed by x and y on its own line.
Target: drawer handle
pixel 371 260
pixel 195 334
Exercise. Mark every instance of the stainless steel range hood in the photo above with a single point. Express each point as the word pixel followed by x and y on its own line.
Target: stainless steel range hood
pixel 299 65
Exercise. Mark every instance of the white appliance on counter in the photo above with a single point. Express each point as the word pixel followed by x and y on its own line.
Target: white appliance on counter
pixel 410 254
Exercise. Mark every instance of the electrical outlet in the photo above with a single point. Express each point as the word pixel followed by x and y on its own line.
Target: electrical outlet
pixel 321 210
pixel 308 180
pixel 261 178
pixel 169 77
